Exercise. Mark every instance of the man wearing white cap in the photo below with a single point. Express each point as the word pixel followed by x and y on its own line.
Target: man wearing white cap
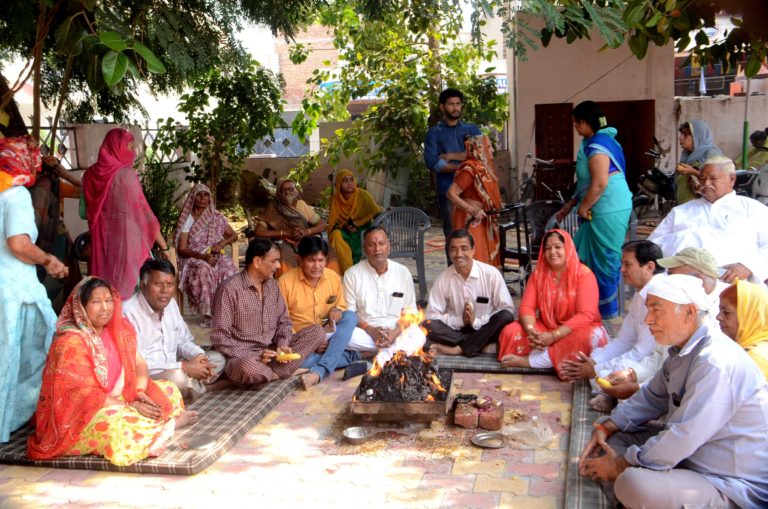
pixel 733 228
pixel 711 449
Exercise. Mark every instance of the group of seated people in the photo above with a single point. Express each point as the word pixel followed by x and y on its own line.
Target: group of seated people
pixel 688 366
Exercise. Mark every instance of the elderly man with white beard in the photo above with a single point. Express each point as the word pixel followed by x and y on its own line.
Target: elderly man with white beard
pixel 733 228
pixel 694 436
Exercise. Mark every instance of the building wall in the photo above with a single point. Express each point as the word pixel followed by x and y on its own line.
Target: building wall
pixel 320 41
pixel 725 117
pixel 578 72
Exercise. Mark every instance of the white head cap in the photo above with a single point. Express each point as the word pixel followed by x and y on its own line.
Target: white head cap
pixel 678 288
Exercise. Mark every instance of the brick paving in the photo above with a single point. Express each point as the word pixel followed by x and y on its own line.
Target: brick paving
pixel 295 458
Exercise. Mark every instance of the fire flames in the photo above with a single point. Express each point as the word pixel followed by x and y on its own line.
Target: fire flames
pixel 404 367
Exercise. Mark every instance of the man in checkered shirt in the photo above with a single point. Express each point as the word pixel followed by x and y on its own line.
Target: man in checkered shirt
pixel 251 323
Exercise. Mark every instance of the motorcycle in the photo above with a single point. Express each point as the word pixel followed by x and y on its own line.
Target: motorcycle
pixel 655 194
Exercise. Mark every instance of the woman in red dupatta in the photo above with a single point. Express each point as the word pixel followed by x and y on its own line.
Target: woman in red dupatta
pixel 123 228
pixel 201 234
pixel 97 397
pixel 475 189
pixel 564 293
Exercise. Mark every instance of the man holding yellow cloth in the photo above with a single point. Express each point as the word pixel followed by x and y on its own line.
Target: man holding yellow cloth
pixel 352 211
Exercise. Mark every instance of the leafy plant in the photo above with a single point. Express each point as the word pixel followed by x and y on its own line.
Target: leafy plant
pixel 402 53
pixel 227 113
pixel 161 192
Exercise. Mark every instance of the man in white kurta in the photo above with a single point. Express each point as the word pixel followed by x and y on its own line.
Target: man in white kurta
pixel 733 228
pixel 633 354
pixel 377 290
pixel 469 304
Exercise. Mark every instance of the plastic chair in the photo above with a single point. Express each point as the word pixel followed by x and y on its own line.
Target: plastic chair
pixel 406 227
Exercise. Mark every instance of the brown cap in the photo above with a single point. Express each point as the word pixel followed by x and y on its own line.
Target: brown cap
pixel 700 259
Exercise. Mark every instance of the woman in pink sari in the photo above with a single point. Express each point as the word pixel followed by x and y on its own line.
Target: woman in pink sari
pixel 201 234
pixel 123 228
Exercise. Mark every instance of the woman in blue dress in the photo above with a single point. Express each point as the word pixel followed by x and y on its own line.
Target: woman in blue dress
pixel 27 320
pixel 604 202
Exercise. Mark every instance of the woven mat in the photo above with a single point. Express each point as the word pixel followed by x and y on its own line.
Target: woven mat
pixel 581 492
pixel 485 363
pixel 226 415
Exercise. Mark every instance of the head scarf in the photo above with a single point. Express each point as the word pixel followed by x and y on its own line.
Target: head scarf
pixel 557 302
pixel 20 161
pixel 359 207
pixel 281 216
pixel 703 144
pixel 75 378
pixel 205 219
pixel 752 314
pixel 114 155
pixel 680 289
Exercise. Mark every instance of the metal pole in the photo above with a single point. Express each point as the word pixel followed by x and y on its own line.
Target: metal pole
pixel 745 138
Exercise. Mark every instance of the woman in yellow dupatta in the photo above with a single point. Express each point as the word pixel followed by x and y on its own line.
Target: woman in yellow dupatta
pixel 744 318
pixel 352 211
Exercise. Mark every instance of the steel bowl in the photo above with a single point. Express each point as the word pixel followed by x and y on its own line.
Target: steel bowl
pixel 489 440
pixel 357 435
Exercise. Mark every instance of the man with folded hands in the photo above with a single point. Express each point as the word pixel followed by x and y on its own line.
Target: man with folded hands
pixel 694 436
pixel 469 304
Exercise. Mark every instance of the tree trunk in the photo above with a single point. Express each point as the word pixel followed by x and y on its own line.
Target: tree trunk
pixel 16 125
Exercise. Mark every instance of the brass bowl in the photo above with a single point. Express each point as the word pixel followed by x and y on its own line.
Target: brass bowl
pixel 357 435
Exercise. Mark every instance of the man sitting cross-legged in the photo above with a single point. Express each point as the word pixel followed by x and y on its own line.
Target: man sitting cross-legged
pixel 633 354
pixel 469 304
pixel 694 435
pixel 315 296
pixel 377 289
pixel 251 325
pixel 163 337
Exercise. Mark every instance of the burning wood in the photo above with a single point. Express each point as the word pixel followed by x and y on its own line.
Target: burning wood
pixel 404 372
pixel 404 378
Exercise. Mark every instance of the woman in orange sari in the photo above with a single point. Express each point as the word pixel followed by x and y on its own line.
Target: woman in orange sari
pixel 97 397
pixel 564 292
pixel 475 189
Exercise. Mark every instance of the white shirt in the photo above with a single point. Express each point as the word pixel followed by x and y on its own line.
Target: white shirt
pixel 734 229
pixel 484 288
pixel 631 346
pixel 161 338
pixel 635 347
pixel 378 299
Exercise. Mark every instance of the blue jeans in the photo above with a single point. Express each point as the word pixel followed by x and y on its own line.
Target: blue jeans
pixel 446 214
pixel 335 356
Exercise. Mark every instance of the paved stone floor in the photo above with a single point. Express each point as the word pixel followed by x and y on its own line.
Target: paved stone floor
pixel 295 457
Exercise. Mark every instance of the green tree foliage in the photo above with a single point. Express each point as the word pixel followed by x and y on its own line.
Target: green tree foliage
pixel 227 111
pixel 644 22
pixel 103 50
pixel 403 53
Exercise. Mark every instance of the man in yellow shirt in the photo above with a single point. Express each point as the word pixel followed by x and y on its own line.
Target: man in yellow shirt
pixel 315 296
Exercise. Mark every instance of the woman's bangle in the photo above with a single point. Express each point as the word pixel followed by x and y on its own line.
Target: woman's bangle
pixel 632 375
pixel 281 234
pixel 556 334
pixel 167 248
pixel 602 428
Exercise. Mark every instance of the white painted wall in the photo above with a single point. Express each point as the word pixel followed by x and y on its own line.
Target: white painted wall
pixel 577 72
pixel 725 117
